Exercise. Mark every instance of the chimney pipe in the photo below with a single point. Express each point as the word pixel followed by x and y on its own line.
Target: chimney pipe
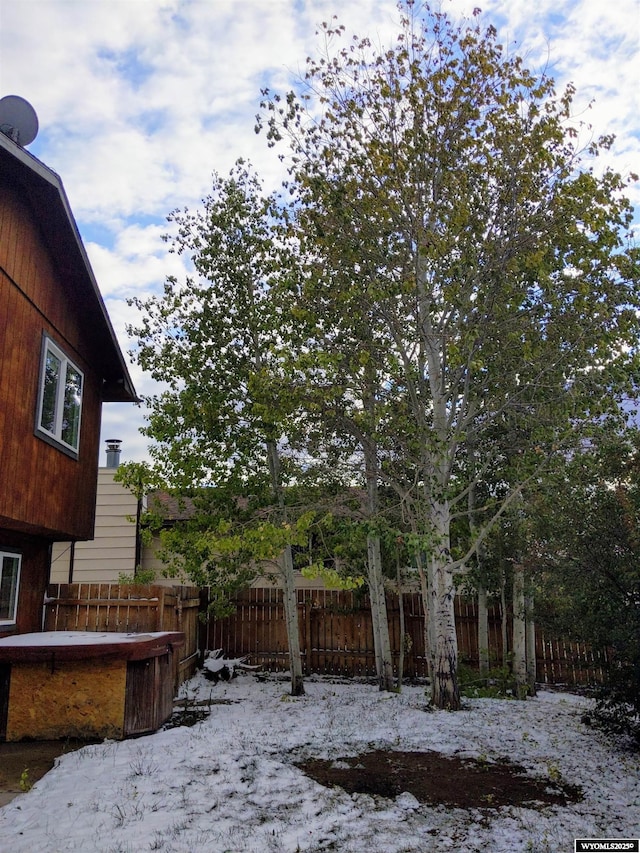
pixel 113 452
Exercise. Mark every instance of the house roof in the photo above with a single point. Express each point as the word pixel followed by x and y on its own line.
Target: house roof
pixel 170 507
pixel 45 193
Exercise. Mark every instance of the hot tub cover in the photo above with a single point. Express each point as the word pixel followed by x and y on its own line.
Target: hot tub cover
pixel 77 645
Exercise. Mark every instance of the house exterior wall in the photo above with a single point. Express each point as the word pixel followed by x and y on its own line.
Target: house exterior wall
pixel 50 305
pixel 151 562
pixel 51 493
pixel 34 572
pixel 112 550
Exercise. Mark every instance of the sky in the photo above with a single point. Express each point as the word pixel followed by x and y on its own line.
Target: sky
pixel 231 782
pixel 140 101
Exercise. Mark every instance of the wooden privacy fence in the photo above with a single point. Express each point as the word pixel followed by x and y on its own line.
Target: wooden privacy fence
pixel 129 609
pixel 564 662
pixel 336 636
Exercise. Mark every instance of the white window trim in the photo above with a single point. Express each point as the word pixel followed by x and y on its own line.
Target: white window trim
pixel 14 555
pixel 55 437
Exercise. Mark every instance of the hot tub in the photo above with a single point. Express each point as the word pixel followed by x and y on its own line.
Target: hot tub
pixel 85 684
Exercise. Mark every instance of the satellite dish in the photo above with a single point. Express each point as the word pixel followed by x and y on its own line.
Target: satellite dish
pixel 18 119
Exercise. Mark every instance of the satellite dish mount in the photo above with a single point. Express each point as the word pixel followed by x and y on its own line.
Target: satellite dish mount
pixel 18 119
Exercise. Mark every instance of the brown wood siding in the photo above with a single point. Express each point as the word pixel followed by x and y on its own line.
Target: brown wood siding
pixel 26 261
pixel 51 493
pixel 34 575
pixel 5 683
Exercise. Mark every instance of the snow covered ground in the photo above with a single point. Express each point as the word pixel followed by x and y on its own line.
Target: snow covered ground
pixel 229 783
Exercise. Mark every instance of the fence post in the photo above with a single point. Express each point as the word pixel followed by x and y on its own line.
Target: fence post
pixel 307 630
pixel 204 624
pixel 160 619
pixel 303 632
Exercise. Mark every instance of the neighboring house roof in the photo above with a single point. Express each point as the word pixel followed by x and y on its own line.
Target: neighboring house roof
pixel 170 507
pixel 44 191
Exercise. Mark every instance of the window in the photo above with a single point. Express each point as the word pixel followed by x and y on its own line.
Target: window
pixel 60 398
pixel 9 579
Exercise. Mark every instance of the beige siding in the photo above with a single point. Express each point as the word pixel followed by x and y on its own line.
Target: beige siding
pixel 150 560
pixel 112 550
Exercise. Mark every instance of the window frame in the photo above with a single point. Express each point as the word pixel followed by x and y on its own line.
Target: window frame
pixel 16 555
pixel 55 436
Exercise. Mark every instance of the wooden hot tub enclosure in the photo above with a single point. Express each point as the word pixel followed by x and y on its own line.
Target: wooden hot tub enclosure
pixel 87 685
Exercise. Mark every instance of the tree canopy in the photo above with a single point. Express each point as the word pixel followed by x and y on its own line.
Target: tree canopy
pixel 448 302
pixel 449 210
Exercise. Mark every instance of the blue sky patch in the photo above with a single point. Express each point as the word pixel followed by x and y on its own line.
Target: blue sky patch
pixel 127 64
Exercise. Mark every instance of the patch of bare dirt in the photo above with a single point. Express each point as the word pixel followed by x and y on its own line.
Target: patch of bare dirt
pixel 22 763
pixel 440 780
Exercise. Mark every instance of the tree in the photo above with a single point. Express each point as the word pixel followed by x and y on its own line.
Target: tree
pixel 216 341
pixel 343 410
pixel 585 549
pixel 446 206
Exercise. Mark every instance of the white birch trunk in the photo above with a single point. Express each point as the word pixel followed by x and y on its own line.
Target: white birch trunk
pixel 503 622
pixel 483 629
pixel 375 610
pixel 290 600
pixel 483 616
pixel 375 577
pixel 437 455
pixel 403 635
pixel 530 646
pixel 519 633
pixel 445 689
pixel 384 665
pixel 287 580
pixel 427 631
